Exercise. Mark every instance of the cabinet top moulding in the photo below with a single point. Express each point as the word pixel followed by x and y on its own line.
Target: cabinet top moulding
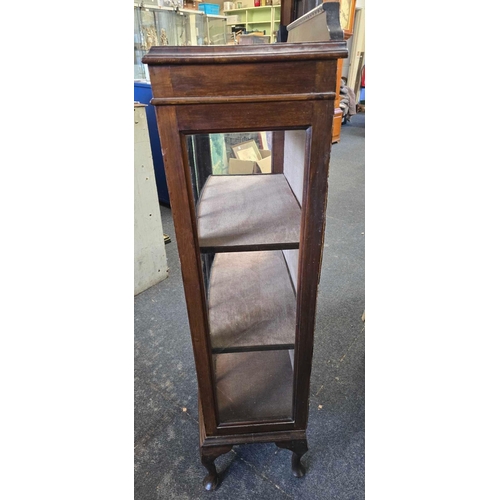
pixel 206 54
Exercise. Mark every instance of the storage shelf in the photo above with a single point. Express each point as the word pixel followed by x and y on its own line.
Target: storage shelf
pixel 254 386
pixel 266 17
pixel 251 303
pixel 243 9
pixel 247 212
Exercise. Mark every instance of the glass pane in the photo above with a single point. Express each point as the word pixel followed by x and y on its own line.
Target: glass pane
pixel 166 27
pixel 190 29
pixel 153 27
pixel 216 31
pixel 140 70
pixel 149 33
pixel 248 208
pixel 197 29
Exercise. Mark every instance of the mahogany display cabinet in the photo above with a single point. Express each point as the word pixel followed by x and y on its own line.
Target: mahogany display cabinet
pixel 250 244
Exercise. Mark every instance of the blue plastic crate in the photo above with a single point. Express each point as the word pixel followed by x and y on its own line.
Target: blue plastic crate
pixel 209 8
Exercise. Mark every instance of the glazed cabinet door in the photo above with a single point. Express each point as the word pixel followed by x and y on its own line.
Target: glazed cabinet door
pixel 248 193
pixel 248 226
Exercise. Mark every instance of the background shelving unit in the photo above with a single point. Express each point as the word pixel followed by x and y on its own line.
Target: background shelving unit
pixel 265 18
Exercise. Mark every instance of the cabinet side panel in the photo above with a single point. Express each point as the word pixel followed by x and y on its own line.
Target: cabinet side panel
pixel 239 80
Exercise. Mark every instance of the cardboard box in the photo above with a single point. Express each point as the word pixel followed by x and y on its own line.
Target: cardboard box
pixel 252 167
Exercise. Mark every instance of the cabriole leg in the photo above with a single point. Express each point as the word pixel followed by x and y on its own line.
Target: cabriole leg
pixel 208 456
pixel 298 448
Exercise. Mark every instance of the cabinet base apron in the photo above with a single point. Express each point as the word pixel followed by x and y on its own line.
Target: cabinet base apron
pixel 213 447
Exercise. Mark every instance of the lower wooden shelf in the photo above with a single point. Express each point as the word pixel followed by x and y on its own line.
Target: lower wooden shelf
pixel 254 386
pixel 251 302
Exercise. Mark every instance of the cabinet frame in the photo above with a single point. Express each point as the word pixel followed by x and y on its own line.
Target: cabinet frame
pixel 267 103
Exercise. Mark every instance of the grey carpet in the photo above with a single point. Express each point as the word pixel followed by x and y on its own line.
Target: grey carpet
pixel 167 464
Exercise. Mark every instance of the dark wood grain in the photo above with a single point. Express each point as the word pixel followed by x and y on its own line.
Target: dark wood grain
pixel 239 54
pixel 278 145
pixel 200 118
pixel 236 78
pixel 208 456
pixel 185 82
pixel 288 12
pixel 237 99
pixel 271 436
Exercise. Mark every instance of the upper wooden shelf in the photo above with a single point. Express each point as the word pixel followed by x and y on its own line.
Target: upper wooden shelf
pixel 247 212
pixel 251 302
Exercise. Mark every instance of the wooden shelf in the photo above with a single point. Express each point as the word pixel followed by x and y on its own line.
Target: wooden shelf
pixel 247 212
pixel 254 386
pixel 251 303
